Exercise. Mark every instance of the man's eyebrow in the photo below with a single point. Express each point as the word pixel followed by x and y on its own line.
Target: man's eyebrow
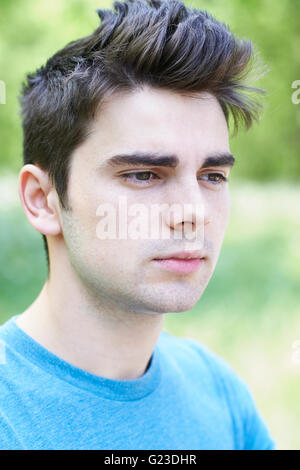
pixel 171 161
pixel 143 159
pixel 219 159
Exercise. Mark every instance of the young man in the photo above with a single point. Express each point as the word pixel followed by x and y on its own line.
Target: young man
pixel 135 113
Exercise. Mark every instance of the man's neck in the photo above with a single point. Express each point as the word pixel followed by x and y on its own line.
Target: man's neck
pixel 107 341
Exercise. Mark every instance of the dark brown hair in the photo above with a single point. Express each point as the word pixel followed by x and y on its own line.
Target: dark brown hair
pixel 160 43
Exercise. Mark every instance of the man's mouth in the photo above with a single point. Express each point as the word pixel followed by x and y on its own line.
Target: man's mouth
pixel 183 262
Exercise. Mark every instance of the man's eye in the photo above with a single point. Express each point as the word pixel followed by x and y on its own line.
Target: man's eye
pixel 214 178
pixel 141 178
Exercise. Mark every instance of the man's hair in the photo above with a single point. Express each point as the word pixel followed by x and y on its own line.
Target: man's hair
pixel 159 43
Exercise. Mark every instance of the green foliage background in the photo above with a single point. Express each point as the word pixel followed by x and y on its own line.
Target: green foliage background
pixel 249 313
pixel 32 30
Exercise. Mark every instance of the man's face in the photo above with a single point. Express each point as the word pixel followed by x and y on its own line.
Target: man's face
pixel 124 272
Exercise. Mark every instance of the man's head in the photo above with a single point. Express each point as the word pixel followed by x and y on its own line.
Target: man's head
pixel 157 78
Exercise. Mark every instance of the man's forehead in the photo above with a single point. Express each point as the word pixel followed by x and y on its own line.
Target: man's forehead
pixel 121 135
pixel 154 103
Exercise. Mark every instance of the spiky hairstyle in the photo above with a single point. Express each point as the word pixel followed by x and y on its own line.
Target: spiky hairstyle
pixel 159 43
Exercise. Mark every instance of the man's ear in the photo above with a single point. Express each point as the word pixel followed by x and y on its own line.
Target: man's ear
pixel 39 200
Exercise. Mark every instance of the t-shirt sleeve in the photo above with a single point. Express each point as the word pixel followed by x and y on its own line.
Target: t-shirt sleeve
pixel 256 435
pixel 249 427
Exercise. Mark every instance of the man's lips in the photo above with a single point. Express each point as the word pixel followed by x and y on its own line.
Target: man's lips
pixel 181 262
pixel 196 254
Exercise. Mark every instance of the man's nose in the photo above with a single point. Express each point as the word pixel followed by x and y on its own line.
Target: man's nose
pixel 187 212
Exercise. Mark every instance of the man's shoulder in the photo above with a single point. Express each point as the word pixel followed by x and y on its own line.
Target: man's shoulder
pixel 10 365
pixel 203 365
pixel 195 353
pixel 7 328
pixel 206 367
pixel 6 339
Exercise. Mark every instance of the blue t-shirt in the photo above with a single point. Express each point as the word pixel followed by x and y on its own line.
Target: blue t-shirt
pixel 188 398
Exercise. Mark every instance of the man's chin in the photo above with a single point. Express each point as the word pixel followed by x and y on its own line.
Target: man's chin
pixel 173 305
pixel 178 308
pixel 170 296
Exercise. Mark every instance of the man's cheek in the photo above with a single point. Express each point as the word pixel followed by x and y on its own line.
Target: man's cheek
pixel 221 216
